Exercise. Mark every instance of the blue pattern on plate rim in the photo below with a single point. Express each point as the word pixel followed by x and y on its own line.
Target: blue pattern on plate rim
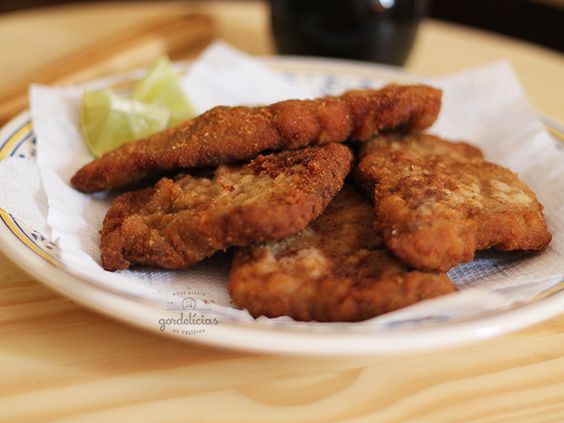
pixel 24 146
pixel 32 238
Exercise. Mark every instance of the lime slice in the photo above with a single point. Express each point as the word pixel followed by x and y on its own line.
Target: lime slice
pixel 108 121
pixel 162 87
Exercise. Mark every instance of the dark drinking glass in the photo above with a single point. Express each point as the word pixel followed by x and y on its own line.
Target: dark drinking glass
pixel 373 30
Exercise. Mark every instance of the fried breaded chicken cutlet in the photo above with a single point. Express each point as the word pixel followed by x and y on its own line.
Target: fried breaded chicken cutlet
pixel 179 222
pixel 438 202
pixel 228 134
pixel 337 269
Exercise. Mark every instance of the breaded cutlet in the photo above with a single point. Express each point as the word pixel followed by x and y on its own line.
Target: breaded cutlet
pixel 337 269
pixel 438 202
pixel 228 134
pixel 180 221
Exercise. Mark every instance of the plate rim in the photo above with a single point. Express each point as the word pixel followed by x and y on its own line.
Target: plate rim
pixel 280 339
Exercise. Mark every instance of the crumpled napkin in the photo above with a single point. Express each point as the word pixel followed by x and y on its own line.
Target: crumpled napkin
pixel 485 106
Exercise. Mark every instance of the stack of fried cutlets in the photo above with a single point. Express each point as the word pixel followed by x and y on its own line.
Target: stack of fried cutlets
pixel 309 244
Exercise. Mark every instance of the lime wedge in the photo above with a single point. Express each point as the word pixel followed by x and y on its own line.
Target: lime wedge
pixel 162 87
pixel 108 121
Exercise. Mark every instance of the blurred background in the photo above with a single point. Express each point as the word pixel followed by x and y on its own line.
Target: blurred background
pixel 537 21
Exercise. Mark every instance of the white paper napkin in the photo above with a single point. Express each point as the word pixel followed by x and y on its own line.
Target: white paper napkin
pixel 485 106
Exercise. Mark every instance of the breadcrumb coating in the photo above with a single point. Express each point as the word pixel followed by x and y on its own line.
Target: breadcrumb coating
pixel 229 134
pixel 179 222
pixel 337 269
pixel 438 202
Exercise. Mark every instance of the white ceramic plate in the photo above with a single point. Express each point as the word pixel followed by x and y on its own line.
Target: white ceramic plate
pixel 30 250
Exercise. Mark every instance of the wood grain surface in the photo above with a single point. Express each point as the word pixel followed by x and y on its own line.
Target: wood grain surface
pixel 60 361
pixel 121 51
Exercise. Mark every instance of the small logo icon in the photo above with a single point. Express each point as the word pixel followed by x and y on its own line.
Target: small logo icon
pixel 188 314
pixel 189 303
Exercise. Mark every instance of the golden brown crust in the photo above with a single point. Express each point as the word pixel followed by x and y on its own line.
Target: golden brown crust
pixel 179 222
pixel 337 269
pixel 438 202
pixel 228 134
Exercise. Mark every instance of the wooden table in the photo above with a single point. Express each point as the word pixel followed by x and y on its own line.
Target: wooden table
pixel 60 360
